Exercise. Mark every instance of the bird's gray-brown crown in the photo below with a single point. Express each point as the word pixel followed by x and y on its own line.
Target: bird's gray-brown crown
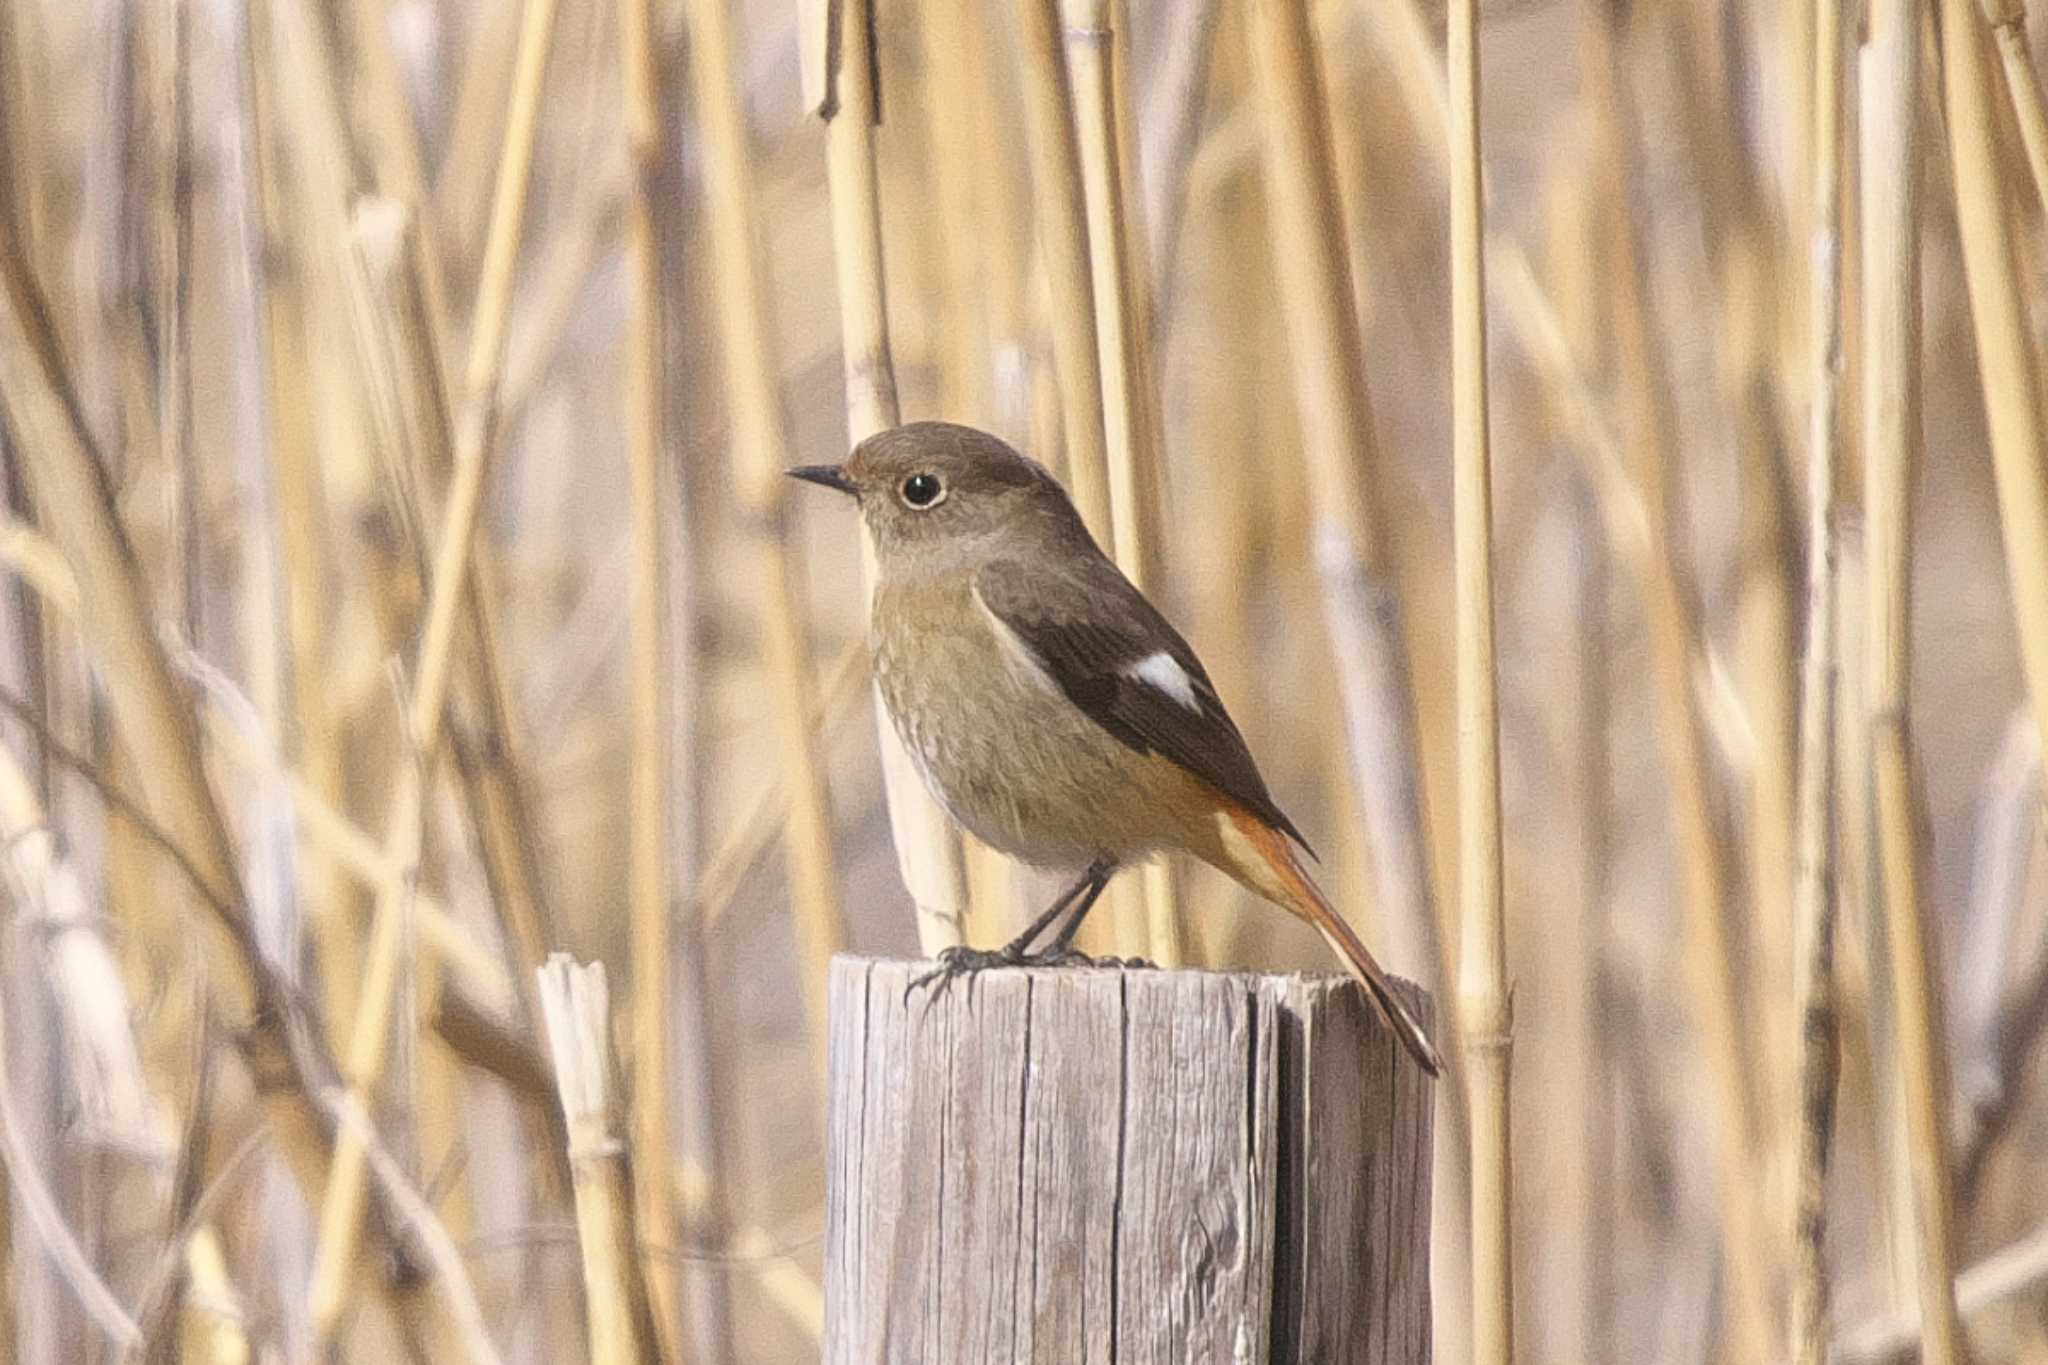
pixel 928 483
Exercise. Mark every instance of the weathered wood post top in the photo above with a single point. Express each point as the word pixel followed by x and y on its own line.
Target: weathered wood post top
pixel 1080 1165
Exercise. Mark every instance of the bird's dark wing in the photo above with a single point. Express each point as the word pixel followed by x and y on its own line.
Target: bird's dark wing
pixel 1116 658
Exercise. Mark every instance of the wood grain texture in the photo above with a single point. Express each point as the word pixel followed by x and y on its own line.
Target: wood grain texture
pixel 1140 1167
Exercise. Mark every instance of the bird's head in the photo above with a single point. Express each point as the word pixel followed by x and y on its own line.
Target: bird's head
pixel 935 489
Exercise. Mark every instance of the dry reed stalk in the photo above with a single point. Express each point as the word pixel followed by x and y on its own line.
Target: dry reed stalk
pixel 577 1007
pixel 1814 899
pixel 928 852
pixel 1062 218
pixel 1673 623
pixel 1998 299
pixel 2014 1272
pixel 1124 346
pixel 475 438
pixel 650 771
pixel 2008 20
pixel 760 454
pixel 1360 605
pixel 412 325
pixel 409 413
pixel 1893 430
pixel 307 726
pixel 1584 669
pixel 1485 1008
pixel 157 728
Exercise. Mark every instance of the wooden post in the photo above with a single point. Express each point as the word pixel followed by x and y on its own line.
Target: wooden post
pixel 1146 1167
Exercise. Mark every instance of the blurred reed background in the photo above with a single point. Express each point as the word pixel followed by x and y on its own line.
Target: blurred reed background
pixel 402 586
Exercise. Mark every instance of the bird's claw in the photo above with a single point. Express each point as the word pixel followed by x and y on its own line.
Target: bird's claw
pixel 961 961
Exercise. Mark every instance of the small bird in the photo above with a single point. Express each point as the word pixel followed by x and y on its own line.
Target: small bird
pixel 1051 709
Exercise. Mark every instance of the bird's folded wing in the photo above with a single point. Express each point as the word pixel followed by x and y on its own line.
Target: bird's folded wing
pixel 1117 659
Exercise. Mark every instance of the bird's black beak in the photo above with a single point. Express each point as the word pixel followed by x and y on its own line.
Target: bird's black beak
pixel 830 475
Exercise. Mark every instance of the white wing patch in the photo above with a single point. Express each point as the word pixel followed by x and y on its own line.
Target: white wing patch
pixel 1162 673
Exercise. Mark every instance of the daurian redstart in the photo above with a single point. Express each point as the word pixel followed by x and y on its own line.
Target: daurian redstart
pixel 1051 708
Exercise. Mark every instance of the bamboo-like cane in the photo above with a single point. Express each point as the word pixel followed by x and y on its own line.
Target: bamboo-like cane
pixel 928 852
pixel 1123 343
pixel 648 874
pixel 760 454
pixel 1484 1004
pixel 2008 20
pixel 1814 899
pixel 341 1207
pixel 577 1006
pixel 1326 355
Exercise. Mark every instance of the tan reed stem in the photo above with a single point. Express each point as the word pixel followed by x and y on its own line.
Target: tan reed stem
pixel 1484 1004
pixel 928 850
pixel 1326 356
pixel 760 454
pixel 2008 20
pixel 1998 308
pixel 650 770
pixel 1124 345
pixel 408 276
pixel 1057 192
pixel 341 1208
pixel 308 727
pixel 577 1007
pixel 1814 899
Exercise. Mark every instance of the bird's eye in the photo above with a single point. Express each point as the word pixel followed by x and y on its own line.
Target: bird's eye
pixel 923 490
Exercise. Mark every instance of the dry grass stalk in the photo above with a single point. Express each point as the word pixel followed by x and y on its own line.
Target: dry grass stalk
pixel 341 1207
pixel 1814 900
pixel 2015 1272
pixel 649 903
pixel 928 849
pixel 1998 297
pixel 760 454
pixel 1485 1007
pixel 1328 363
pixel 1124 345
pixel 577 1007
pixel 2008 20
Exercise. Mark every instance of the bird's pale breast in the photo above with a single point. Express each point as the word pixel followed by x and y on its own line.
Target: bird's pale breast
pixel 1002 749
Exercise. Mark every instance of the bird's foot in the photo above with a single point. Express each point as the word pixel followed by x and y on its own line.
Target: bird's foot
pixel 959 961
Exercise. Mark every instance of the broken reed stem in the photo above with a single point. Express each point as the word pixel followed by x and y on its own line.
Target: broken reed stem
pixel 760 454
pixel 928 852
pixel 2008 20
pixel 341 1207
pixel 1124 344
pixel 1483 1000
pixel 650 770
pixel 1326 356
pixel 576 1005
pixel 1814 897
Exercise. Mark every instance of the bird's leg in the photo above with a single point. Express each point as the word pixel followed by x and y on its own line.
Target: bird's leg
pixel 1074 902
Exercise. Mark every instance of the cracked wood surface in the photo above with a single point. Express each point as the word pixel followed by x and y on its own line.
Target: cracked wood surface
pixel 1140 1167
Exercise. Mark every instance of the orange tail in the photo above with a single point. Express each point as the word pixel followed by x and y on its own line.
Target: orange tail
pixel 1261 858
